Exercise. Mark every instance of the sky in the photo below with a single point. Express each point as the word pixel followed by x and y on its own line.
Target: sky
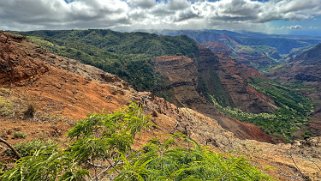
pixel 301 17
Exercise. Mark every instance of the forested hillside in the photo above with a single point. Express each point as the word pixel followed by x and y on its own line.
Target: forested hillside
pixel 127 55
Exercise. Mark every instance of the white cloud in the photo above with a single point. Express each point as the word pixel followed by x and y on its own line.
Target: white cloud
pixel 295 27
pixel 146 14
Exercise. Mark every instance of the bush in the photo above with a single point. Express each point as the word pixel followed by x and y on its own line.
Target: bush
pixel 19 135
pixel 29 148
pixel 6 107
pixel 169 161
pixel 29 113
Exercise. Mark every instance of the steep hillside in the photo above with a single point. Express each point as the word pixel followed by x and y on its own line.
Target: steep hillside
pixel 311 56
pixel 192 92
pixel 62 90
pixel 228 82
pixel 61 86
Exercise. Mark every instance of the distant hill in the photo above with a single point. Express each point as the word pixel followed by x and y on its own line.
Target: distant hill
pixel 305 67
pixel 311 56
pixel 255 49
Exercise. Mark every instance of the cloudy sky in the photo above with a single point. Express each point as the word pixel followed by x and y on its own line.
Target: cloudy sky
pixel 269 16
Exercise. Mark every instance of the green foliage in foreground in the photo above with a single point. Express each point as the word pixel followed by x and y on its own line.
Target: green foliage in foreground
pixel 292 114
pixel 100 149
pixel 128 55
pixel 169 161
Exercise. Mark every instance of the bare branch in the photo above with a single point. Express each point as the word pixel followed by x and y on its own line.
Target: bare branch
pixel 11 147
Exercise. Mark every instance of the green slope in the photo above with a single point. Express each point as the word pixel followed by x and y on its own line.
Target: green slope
pixel 128 55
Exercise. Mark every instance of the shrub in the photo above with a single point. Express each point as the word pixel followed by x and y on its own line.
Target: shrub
pixel 6 107
pixel 29 113
pixel 19 135
pixel 29 148
pixel 169 161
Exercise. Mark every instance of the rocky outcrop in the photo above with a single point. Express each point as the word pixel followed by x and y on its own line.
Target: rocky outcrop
pixel 16 63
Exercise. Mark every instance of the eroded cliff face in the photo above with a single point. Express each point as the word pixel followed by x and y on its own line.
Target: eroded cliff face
pixel 190 83
pixel 181 74
pixel 227 81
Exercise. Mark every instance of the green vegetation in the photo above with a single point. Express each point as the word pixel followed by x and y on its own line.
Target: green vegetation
pixel 169 161
pixel 292 114
pixel 284 96
pixel 30 148
pixel 19 135
pixel 101 149
pixel 128 55
pixel 6 107
pixel 215 89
